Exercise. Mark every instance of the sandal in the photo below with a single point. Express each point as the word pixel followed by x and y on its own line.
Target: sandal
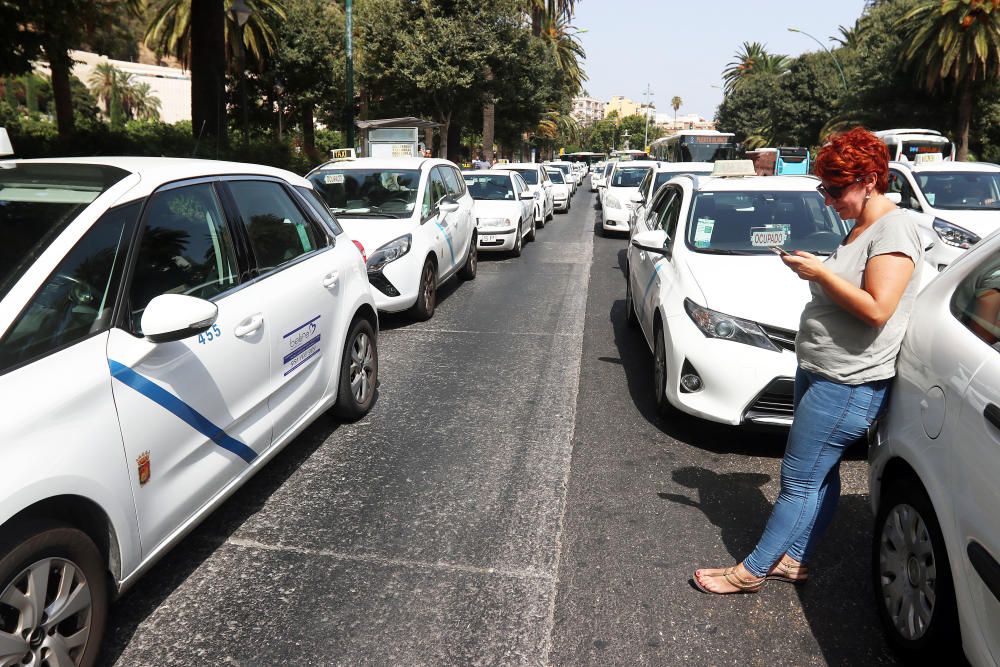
pixel 733 579
pixel 789 572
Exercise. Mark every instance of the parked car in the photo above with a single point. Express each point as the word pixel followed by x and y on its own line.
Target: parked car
pixel 935 463
pixel 503 207
pixel 718 309
pixel 562 195
pixel 657 176
pixel 570 173
pixel 961 200
pixel 166 327
pixel 596 175
pixel 538 181
pixel 623 184
pixel 413 220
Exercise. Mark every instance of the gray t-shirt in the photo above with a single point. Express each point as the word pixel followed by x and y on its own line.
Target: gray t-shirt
pixel 837 345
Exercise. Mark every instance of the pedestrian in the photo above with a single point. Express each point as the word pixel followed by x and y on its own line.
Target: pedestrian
pixel 848 339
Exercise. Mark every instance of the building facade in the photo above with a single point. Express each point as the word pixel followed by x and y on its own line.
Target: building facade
pixel 690 121
pixel 587 110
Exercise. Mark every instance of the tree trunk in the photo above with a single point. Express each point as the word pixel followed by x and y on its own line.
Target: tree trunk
pixel 208 67
pixel 537 14
pixel 445 121
pixel 60 64
pixel 308 130
pixel 429 139
pixel 964 119
pixel 489 122
pixel 454 146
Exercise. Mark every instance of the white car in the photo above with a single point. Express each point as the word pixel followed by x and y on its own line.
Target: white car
pixel 716 305
pixel 570 174
pixel 657 176
pixel 538 181
pixel 504 209
pixel 962 200
pixel 622 186
pixel 934 468
pixel 413 220
pixel 602 185
pixel 596 176
pixel 562 194
pixel 166 327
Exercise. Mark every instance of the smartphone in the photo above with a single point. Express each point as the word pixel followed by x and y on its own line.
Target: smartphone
pixel 777 249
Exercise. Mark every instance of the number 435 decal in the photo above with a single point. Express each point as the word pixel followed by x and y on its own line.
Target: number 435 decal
pixel 210 335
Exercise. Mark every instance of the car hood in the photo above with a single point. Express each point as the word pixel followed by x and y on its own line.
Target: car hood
pixel 980 223
pixel 485 208
pixel 759 288
pixel 373 233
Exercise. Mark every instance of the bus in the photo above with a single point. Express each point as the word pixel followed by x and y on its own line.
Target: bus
pixel 695 146
pixel 585 156
pixel 906 144
pixel 629 154
pixel 791 161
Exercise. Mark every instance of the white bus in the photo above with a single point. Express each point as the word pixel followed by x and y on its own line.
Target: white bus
pixel 907 143
pixel 695 146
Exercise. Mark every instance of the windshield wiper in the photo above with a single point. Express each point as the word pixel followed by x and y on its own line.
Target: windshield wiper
pixel 367 214
pixel 724 251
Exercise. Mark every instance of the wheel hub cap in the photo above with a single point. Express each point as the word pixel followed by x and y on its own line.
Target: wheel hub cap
pixel 913 571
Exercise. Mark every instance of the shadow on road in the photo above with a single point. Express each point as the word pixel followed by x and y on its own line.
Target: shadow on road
pixel 390 321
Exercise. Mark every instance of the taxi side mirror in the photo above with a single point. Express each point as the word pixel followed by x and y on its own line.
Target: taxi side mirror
pixel 654 241
pixel 638 199
pixel 894 197
pixel 528 195
pixel 447 206
pixel 172 317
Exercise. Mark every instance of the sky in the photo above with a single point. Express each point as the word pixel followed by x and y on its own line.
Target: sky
pixel 680 47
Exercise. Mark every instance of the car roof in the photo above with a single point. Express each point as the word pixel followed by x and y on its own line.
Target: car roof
pixel 635 163
pixel 519 165
pixel 166 169
pixel 384 163
pixel 488 172
pixel 754 183
pixel 681 167
pixel 946 166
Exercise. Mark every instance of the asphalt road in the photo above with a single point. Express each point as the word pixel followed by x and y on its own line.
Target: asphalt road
pixel 512 499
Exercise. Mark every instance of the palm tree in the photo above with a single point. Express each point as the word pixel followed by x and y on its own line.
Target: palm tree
pixel 676 103
pixel 849 37
pixel 752 58
pixel 144 105
pixel 542 11
pixel 953 44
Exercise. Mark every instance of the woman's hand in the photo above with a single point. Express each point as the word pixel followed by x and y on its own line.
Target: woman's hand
pixel 805 265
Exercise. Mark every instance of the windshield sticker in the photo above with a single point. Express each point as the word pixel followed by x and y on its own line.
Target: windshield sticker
pixel 333 179
pixel 768 235
pixel 930 197
pixel 302 345
pixel 703 232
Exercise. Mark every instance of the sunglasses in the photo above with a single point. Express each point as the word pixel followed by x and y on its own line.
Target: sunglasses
pixel 836 191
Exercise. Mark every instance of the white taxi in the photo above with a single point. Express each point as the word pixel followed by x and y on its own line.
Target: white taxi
pixel 657 176
pixel 539 183
pixel 622 187
pixel 961 200
pixel 413 220
pixel 183 320
pixel 503 207
pixel 562 192
pixel 717 306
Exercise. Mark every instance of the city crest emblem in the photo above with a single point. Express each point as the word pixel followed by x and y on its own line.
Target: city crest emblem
pixel 143 464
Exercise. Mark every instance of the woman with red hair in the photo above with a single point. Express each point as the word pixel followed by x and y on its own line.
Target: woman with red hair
pixel 848 339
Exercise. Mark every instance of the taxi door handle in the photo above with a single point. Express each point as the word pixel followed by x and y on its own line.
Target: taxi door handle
pixel 331 279
pixel 248 326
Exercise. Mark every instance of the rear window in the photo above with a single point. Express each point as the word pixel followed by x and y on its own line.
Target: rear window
pixel 628 177
pixel 530 176
pixel 489 186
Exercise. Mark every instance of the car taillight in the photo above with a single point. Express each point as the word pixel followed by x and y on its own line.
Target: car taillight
pixel 361 249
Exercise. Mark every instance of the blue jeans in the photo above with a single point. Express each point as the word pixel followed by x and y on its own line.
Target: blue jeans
pixel 829 417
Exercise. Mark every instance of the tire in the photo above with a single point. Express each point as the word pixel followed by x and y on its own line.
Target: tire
pixel 358 372
pixel 423 309
pixel 531 234
pixel 518 242
pixel 65 556
pixel 908 560
pixel 541 219
pixel 552 215
pixel 468 270
pixel 568 206
pixel 631 319
pixel 660 372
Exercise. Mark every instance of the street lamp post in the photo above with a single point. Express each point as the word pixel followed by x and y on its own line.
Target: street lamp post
pixel 836 62
pixel 349 67
pixel 241 12
pixel 648 93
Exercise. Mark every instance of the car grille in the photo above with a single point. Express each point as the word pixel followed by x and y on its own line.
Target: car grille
pixel 775 400
pixel 783 338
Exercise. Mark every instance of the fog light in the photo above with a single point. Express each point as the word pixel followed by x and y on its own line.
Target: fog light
pixel 690 382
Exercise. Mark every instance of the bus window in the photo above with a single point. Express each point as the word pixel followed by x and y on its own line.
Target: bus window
pixel 792 161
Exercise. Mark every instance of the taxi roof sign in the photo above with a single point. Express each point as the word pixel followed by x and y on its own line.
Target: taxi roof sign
pixel 920 158
pixel 732 168
pixel 342 154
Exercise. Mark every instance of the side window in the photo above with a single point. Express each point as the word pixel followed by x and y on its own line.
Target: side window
pixel 644 186
pixel 671 212
pixel 439 190
pixel 185 249
pixel 898 183
pixel 454 182
pixel 77 299
pixel 316 202
pixel 976 302
pixel 278 230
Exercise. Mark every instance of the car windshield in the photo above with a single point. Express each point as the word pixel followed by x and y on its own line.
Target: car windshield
pixel 38 201
pixel 961 190
pixel 564 168
pixel 555 176
pixel 628 177
pixel 746 223
pixel 362 193
pixel 530 176
pixel 489 186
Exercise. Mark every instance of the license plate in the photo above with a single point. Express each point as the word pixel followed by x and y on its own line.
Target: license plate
pixel 488 237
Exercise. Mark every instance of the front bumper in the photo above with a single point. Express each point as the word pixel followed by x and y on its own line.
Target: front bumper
pixel 616 219
pixel 396 286
pixel 496 239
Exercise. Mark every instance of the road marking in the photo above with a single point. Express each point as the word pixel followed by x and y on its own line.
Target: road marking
pixel 531 575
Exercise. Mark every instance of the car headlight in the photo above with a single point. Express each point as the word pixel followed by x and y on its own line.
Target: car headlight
pixel 611 201
pixel 493 222
pixel 719 325
pixel 389 252
pixel 954 235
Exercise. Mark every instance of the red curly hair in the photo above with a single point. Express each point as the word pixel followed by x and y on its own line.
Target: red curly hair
pixel 851 155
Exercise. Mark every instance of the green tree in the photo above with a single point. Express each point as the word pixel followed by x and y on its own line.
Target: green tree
pixel 954 45
pixel 752 58
pixel 676 103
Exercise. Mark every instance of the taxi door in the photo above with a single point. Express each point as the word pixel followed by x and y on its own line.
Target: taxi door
pixel 300 278
pixel 445 225
pixel 193 413
pixel 646 278
pixel 465 221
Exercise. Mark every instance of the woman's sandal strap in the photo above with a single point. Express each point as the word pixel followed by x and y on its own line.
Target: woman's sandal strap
pixel 743 584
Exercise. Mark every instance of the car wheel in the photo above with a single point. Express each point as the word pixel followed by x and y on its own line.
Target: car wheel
pixel 423 309
pixel 516 252
pixel 911 575
pixel 630 317
pixel 358 372
pixel 531 233
pixel 468 270
pixel 660 372
pixel 551 214
pixel 53 595
pixel 568 205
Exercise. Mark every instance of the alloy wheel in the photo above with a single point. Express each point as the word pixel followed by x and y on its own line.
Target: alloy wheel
pixel 362 368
